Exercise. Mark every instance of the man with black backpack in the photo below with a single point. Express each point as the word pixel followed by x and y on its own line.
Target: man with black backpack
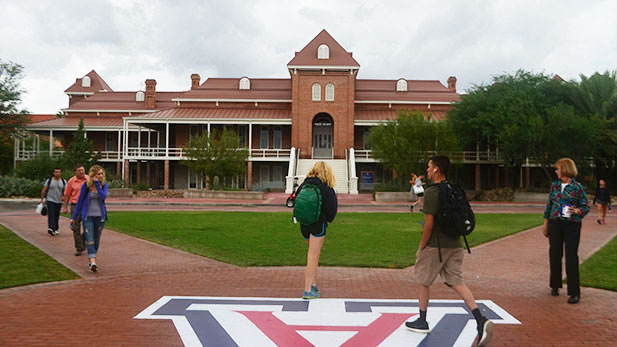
pixel 53 193
pixel 447 217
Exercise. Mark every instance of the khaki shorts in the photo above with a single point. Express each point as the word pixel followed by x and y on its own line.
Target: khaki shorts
pixel 428 266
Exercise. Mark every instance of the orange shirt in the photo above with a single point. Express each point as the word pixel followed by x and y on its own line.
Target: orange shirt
pixel 73 187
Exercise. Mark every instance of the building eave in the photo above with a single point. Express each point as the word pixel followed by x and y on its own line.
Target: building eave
pixel 228 100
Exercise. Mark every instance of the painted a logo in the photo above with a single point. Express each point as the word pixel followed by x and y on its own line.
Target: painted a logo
pixel 256 322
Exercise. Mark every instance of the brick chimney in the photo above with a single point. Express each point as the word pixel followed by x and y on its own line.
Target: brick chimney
pixel 150 93
pixel 452 83
pixel 195 81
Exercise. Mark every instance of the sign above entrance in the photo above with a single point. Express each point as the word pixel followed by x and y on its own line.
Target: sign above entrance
pixel 222 322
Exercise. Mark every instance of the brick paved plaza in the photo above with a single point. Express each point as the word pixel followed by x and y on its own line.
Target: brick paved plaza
pixel 99 309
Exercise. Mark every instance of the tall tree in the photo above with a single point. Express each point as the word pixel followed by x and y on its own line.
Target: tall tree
pixel 11 116
pixel 80 151
pixel 528 116
pixel 405 144
pixel 216 154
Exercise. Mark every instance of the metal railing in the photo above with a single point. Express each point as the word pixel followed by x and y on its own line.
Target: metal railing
pixel 460 156
pixel 27 154
pixel 156 152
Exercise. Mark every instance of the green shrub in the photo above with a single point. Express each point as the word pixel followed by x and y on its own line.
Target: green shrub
pixel 114 183
pixel 19 186
pixel 500 194
pixel 139 187
pixel 40 167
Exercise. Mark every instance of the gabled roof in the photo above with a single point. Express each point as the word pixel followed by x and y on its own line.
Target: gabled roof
pixel 338 55
pixel 73 122
pixel 417 91
pixel 96 83
pixel 265 89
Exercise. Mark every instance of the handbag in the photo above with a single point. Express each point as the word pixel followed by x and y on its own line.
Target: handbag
pixel 418 190
pixel 42 209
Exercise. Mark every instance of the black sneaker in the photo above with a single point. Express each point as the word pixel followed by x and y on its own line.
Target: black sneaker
pixel 555 291
pixel 485 332
pixel 418 326
pixel 50 231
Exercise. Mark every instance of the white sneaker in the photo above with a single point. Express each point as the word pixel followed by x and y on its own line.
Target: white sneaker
pixel 56 232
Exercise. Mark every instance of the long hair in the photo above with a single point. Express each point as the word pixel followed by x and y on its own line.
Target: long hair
pixel 323 171
pixel 93 171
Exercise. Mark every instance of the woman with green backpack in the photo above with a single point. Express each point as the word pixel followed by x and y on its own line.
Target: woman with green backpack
pixel 314 208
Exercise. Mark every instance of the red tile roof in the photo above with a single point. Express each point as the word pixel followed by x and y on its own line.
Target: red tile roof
pixel 37 118
pixel 417 91
pixel 123 101
pixel 96 83
pixel 338 55
pixel 220 113
pixel 229 88
pixel 381 115
pixel 74 122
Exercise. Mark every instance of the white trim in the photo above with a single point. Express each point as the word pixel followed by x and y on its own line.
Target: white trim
pixel 209 120
pixel 228 100
pixel 321 67
pixel 404 102
pixel 78 93
pixel 108 111
pixel 368 122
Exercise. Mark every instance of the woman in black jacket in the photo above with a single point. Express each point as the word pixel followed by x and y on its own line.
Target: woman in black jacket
pixel 603 198
pixel 320 176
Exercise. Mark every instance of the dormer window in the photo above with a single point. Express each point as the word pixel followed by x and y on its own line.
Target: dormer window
pixel 85 82
pixel 401 85
pixel 323 52
pixel 329 92
pixel 139 96
pixel 245 83
pixel 316 92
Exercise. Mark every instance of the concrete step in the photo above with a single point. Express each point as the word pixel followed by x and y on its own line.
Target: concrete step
pixel 339 170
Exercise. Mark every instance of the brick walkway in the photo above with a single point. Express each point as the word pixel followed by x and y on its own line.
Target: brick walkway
pixel 99 309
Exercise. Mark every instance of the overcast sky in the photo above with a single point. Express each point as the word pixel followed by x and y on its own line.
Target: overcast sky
pixel 128 41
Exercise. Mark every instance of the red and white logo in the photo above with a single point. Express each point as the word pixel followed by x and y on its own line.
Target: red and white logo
pixel 255 322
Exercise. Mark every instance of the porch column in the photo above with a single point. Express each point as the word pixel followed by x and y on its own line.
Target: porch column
pixel 250 138
pixel 118 168
pixel 166 182
pixel 119 148
pixel 527 176
pixel 157 179
pixel 249 178
pixel 138 172
pixel 15 152
pixel 148 180
pixel 166 146
pixel 138 145
pixel 127 173
pixel 478 180
pixel 51 142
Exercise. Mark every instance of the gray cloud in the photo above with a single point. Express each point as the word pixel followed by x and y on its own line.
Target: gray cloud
pixel 128 41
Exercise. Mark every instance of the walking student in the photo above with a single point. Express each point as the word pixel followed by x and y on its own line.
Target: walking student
pixel 71 194
pixel 315 206
pixel 91 208
pixel 603 198
pixel 450 265
pixel 53 193
pixel 566 206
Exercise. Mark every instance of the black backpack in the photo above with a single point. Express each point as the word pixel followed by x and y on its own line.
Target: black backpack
pixel 454 217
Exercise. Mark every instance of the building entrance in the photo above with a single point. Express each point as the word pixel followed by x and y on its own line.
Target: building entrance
pixel 322 136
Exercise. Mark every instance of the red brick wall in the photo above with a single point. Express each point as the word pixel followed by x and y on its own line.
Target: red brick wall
pixel 304 109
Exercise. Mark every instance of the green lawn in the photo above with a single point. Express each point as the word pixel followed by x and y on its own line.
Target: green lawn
pixel 270 239
pixel 21 263
pixel 600 270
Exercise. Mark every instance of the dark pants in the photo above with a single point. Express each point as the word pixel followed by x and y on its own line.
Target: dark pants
pixel 80 244
pixel 53 215
pixel 560 232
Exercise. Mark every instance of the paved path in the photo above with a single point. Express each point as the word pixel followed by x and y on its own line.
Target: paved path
pixel 99 309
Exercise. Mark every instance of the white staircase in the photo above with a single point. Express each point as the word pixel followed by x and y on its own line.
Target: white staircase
pixel 339 169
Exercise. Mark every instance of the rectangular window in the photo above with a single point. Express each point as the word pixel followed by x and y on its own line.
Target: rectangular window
pixel 242 131
pixel 110 143
pixel 278 138
pixel 264 173
pixel 263 143
pixel 316 92
pixel 277 174
pixel 367 134
pixel 330 92
pixel 194 132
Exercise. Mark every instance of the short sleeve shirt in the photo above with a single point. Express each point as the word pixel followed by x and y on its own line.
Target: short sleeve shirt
pixel 431 206
pixel 55 190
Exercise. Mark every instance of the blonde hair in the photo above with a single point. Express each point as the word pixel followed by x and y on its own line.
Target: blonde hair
pixel 323 171
pixel 567 166
pixel 93 171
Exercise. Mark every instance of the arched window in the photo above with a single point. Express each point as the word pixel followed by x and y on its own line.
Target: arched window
pixel 401 85
pixel 329 92
pixel 323 52
pixel 316 92
pixel 85 82
pixel 245 83
pixel 139 96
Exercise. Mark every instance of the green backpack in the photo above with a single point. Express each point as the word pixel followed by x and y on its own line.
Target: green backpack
pixel 307 207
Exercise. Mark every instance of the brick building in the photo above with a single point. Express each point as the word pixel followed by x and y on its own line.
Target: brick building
pixel 322 111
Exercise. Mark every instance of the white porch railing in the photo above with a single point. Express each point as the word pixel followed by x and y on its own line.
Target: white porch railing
pixel 27 154
pixel 179 153
pixel 464 156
